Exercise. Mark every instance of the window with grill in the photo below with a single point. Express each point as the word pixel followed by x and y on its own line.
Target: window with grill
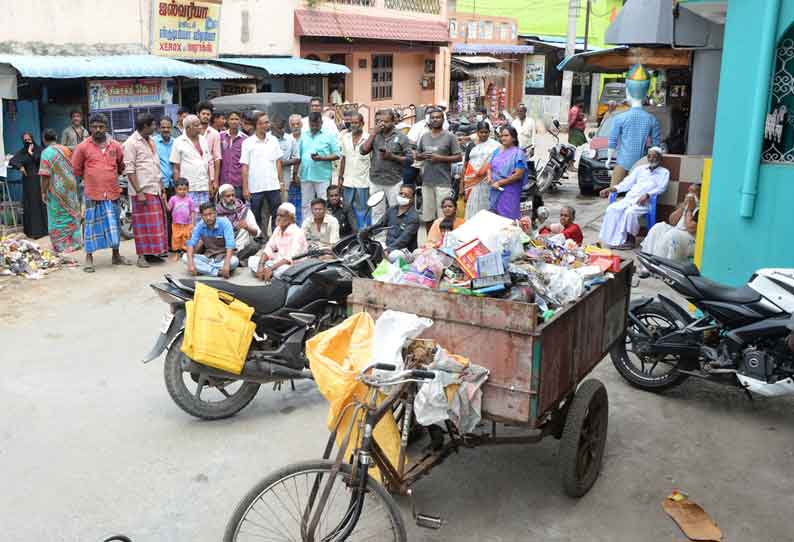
pixel 472 32
pixel 486 30
pixel 504 32
pixel 453 29
pixel 778 143
pixel 382 77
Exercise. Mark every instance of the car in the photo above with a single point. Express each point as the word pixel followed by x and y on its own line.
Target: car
pixel 612 92
pixel 593 173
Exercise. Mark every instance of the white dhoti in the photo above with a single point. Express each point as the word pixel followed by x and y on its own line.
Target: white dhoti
pixel 243 237
pixel 670 242
pixel 253 265
pixel 621 218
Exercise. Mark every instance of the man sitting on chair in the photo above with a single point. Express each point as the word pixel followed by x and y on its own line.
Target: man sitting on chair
pixel 621 221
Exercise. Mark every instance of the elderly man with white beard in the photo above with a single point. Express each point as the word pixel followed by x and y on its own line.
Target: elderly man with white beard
pixel 246 229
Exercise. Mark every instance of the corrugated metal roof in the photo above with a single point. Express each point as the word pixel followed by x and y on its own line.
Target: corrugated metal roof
pixel 211 71
pixel 119 66
pixel 288 65
pixel 339 24
pixel 478 48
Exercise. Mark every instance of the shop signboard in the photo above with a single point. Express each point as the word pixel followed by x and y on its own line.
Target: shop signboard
pixel 186 28
pixel 123 93
pixel 535 77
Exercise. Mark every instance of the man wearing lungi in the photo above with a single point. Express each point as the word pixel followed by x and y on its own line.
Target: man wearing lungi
pixel 142 167
pixel 99 160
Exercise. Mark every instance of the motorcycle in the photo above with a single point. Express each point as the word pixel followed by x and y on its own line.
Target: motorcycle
pixel 125 210
pixel 309 297
pixel 561 156
pixel 741 337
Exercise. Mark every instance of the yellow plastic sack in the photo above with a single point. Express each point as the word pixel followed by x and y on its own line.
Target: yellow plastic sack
pixel 336 357
pixel 460 207
pixel 218 329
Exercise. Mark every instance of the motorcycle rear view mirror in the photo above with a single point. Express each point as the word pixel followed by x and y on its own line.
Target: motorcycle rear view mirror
pixel 556 123
pixel 375 199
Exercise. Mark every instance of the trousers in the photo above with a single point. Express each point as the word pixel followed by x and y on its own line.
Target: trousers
pixel 273 199
pixel 309 191
pixel 210 266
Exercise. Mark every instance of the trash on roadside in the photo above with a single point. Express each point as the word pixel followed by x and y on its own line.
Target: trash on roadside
pixel 690 517
pixel 21 257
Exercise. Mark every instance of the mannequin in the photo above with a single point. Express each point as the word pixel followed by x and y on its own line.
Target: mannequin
pixel 628 141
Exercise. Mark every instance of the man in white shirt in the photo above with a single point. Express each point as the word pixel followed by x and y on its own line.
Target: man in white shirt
pixel 262 171
pixel 621 221
pixel 354 169
pixel 329 126
pixel 191 159
pixel 525 126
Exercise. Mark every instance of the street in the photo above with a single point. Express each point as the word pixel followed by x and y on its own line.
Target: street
pixel 92 445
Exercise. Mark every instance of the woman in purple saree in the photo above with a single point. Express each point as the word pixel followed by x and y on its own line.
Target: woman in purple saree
pixel 508 175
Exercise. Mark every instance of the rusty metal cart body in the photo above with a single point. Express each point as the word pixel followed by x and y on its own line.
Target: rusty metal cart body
pixel 535 368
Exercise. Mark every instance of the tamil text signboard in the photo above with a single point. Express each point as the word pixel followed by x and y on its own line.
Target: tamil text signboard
pixel 121 93
pixel 186 28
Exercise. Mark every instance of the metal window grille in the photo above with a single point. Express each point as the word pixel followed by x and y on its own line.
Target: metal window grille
pixel 382 77
pixel 779 127
pixel 420 6
pixel 360 3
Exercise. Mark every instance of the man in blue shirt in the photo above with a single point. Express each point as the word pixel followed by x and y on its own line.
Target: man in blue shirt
pixel 213 236
pixel 631 132
pixel 317 150
pixel 165 142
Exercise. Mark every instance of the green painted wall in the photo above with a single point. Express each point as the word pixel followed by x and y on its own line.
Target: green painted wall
pixel 547 17
pixel 734 247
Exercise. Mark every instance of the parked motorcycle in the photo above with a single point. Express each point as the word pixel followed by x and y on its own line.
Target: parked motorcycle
pixel 742 336
pixel 125 210
pixel 561 156
pixel 309 297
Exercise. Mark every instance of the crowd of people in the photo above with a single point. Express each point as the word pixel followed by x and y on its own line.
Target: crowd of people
pixel 224 189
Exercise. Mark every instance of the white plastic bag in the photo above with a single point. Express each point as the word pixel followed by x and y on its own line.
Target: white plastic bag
pixel 485 226
pixel 392 329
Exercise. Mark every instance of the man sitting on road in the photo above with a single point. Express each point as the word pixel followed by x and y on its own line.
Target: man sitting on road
pixel 621 221
pixel 246 230
pixel 286 242
pixel 403 222
pixel 320 228
pixel 210 250
pixel 342 211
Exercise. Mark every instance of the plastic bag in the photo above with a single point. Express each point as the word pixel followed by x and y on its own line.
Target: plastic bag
pixel 336 357
pixel 217 334
pixel 557 284
pixel 387 272
pixel 512 241
pixel 392 329
pixel 485 226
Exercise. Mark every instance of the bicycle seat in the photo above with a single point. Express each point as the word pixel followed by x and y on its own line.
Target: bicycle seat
pixel 264 299
pixel 713 291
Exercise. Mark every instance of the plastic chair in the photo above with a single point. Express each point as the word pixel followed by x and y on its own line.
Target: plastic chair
pixel 650 216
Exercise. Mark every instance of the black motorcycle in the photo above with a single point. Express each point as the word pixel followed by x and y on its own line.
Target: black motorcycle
pixel 741 336
pixel 561 156
pixel 309 297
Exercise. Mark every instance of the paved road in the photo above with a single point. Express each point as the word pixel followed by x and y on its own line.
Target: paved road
pixel 91 444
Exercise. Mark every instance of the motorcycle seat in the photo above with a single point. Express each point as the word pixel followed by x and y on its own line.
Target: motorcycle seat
pixel 264 299
pixel 713 291
pixel 685 268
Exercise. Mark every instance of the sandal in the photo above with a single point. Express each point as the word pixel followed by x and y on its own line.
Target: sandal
pixel 121 260
pixel 89 269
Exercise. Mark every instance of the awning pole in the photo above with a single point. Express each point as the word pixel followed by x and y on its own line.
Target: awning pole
pixel 179 90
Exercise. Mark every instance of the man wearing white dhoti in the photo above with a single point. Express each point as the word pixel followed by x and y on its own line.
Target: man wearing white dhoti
pixel 621 221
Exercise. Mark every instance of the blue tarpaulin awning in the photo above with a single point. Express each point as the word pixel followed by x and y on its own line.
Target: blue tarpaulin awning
pixel 211 71
pixel 480 48
pixel 287 65
pixel 116 66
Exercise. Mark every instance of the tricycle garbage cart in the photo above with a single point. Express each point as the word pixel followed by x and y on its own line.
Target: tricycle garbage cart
pixel 534 389
pixel 535 369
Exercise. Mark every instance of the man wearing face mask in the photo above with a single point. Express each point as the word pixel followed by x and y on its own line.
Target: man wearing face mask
pixel 621 221
pixel 403 222
pixel 99 160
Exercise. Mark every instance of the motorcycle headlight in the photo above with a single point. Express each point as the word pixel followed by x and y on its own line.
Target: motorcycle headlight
pixel 591 153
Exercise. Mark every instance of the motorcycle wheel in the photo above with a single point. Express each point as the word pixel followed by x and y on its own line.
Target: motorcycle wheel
pixel 125 217
pixel 221 398
pixel 644 371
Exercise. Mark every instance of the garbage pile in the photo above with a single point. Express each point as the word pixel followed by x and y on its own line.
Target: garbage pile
pixel 497 257
pixel 21 257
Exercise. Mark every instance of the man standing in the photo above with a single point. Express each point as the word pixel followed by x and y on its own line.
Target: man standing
pixel 354 169
pixel 261 170
pixel 329 126
pixel 218 122
pixel 204 112
pixel 621 221
pixel 179 129
pixel 289 154
pixel 439 149
pixel 99 160
pixel 342 211
pixel 213 236
pixel 321 228
pixel 525 126
pixel 142 167
pixel 317 150
pixel 164 140
pixel 390 148
pixel 190 159
pixel 576 124
pixel 231 148
pixel 75 133
pixel 336 94
pixel 294 191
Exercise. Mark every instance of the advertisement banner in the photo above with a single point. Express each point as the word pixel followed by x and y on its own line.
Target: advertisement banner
pixel 535 77
pixel 186 28
pixel 121 93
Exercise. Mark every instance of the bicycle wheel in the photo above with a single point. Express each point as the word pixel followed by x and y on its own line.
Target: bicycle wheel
pixel 274 508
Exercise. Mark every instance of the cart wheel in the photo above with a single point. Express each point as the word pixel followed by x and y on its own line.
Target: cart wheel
pixel 583 438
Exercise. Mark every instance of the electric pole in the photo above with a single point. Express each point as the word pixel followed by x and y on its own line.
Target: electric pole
pixel 567 76
pixel 587 23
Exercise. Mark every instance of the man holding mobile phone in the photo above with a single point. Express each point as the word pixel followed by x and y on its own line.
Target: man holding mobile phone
pixel 317 150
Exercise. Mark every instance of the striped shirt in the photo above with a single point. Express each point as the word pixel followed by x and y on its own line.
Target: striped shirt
pixel 630 134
